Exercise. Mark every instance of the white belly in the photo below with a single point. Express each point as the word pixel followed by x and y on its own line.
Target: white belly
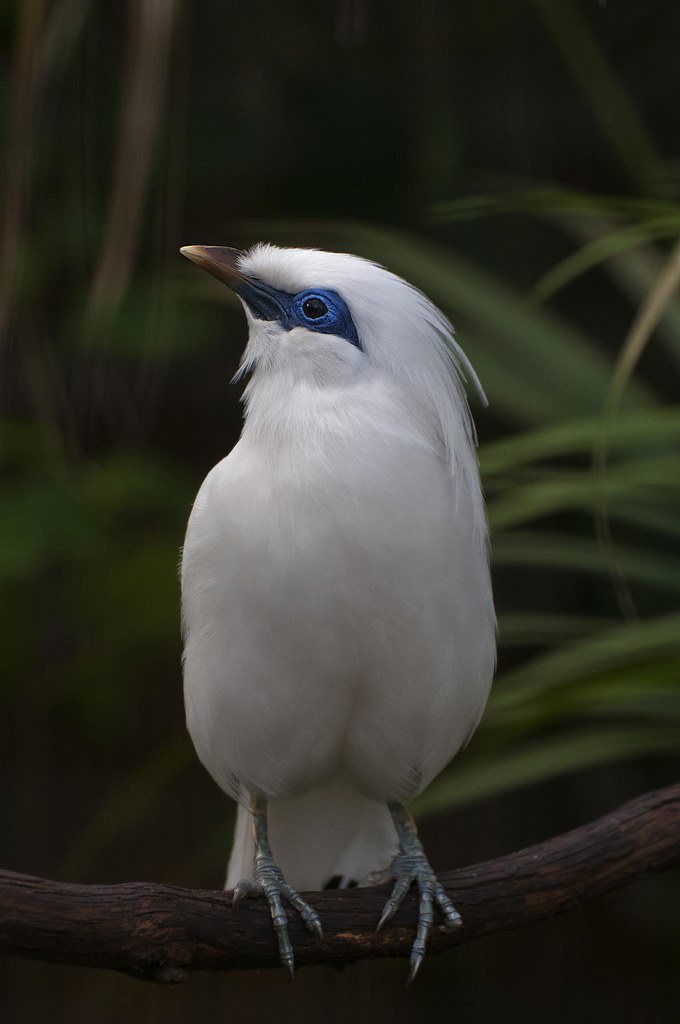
pixel 338 621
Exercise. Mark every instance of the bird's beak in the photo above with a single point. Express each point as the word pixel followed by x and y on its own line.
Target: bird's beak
pixel 218 260
pixel 263 301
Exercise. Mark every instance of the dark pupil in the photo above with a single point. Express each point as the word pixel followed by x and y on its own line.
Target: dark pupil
pixel 314 308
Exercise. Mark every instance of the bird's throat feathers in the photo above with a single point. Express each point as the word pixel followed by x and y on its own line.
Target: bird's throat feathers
pixel 284 408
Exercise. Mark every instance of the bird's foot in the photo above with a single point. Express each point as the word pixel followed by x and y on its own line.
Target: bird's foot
pixel 269 881
pixel 409 866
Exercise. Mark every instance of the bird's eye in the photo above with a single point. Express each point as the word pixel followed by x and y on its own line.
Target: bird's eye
pixel 314 308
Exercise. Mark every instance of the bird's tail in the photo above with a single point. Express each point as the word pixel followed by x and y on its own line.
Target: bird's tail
pixel 331 835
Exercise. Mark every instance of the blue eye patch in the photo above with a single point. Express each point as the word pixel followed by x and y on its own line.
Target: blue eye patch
pixel 316 309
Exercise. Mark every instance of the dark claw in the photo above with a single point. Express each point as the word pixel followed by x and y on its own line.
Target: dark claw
pixel 409 866
pixel 402 886
pixel 416 961
pixel 269 881
pixel 452 918
pixel 270 884
pixel 387 913
pixel 309 916
pixel 242 889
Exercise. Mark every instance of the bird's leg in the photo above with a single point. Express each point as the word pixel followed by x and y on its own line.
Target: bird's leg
pixel 268 880
pixel 411 865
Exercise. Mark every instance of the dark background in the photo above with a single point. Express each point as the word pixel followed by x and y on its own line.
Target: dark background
pixel 519 162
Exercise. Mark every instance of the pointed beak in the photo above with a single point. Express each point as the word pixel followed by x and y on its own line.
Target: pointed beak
pixel 264 302
pixel 218 260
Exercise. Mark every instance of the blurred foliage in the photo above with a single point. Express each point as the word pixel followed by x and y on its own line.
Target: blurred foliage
pixel 114 370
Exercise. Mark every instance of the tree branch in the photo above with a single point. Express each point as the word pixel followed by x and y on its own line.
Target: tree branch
pixel 159 932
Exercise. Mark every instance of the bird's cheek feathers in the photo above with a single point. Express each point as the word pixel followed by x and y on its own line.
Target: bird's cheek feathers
pixel 321 356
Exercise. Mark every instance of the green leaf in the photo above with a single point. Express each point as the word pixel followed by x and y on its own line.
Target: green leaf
pixel 637 429
pixel 634 642
pixel 635 272
pixel 571 491
pixel 601 249
pixel 554 202
pixel 575 553
pixel 548 757
pixel 525 629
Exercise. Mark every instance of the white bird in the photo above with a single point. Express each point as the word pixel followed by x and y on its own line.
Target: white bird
pixel 338 618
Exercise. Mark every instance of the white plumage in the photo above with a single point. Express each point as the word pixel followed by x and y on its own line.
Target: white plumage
pixel 338 618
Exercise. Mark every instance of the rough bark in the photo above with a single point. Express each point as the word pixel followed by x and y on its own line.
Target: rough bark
pixel 159 932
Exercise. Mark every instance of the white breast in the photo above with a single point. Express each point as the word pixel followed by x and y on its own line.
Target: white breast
pixel 338 615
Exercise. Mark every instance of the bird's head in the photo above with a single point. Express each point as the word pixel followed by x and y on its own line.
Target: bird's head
pixel 325 320
pixel 329 313
pixel 297 302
